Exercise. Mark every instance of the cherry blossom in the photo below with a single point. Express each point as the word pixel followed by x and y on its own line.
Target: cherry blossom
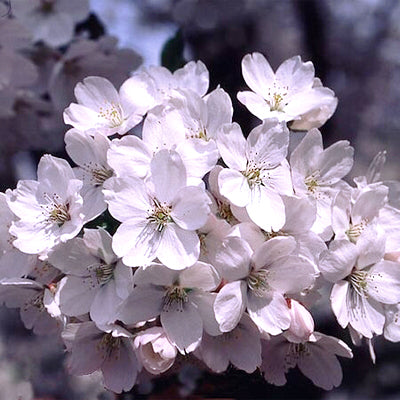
pixel 51 21
pixel 258 173
pixel 101 108
pixel 158 220
pixel 180 298
pixel 50 210
pixel 292 93
pixel 316 359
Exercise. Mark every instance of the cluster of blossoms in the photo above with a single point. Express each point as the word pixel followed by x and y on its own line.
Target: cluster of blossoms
pixel 43 56
pixel 208 244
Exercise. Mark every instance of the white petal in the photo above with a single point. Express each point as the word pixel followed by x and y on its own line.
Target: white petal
pixel 120 368
pixel 143 304
pixel 94 90
pixel 273 250
pixel 204 302
pixel 300 214
pixel 137 242
pixel 267 143
pixel 232 146
pixel 296 74
pixel 190 208
pixel 305 156
pixel 105 304
pixel 234 186
pixel 198 156
pixel 219 110
pixel 168 174
pixel 339 302
pixel 266 209
pixel 383 282
pixel 194 76
pixel 233 258
pixel 178 248
pixel 75 296
pixel 256 104
pixel 213 354
pixel 129 156
pixel 230 304
pixel 245 347
pixel 274 359
pixel 73 257
pixel 119 194
pixel 184 328
pixel 155 274
pixel 321 367
pixel 199 276
pixel 338 262
pixel 291 274
pixel 335 162
pixel 270 314
pixel 257 73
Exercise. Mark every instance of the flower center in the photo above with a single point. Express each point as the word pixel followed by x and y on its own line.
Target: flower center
pixel 355 231
pixel 225 212
pixel 358 281
pixel 160 215
pixel 272 234
pixel 104 273
pixel 98 173
pixel 253 174
pixel 112 113
pixel 108 344
pixel 200 134
pixel 311 181
pixel 99 274
pixel 55 211
pixel 257 282
pixel 295 351
pixel 175 295
pixel 276 97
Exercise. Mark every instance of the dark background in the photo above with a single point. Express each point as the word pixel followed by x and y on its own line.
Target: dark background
pixel 355 47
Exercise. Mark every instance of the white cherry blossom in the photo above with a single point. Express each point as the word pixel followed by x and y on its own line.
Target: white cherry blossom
pixel 50 210
pixel 258 172
pixel 364 283
pixel 161 84
pixel 159 218
pixel 51 21
pixel 292 93
pixel 35 300
pixel 317 174
pixel 241 347
pixel 180 298
pixel 316 359
pixel 189 124
pixel 96 281
pixel 258 282
pixel 102 109
pixel 113 353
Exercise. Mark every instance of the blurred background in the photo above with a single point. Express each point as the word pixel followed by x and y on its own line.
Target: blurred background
pixel 355 48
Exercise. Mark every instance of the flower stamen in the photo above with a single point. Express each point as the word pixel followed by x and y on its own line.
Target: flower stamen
pixel 257 282
pixel 175 295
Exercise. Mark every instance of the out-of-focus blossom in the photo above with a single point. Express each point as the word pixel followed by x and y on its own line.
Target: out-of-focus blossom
pixel 51 21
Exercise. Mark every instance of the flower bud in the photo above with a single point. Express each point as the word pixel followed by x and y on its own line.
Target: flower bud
pixel 301 324
pixel 155 351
